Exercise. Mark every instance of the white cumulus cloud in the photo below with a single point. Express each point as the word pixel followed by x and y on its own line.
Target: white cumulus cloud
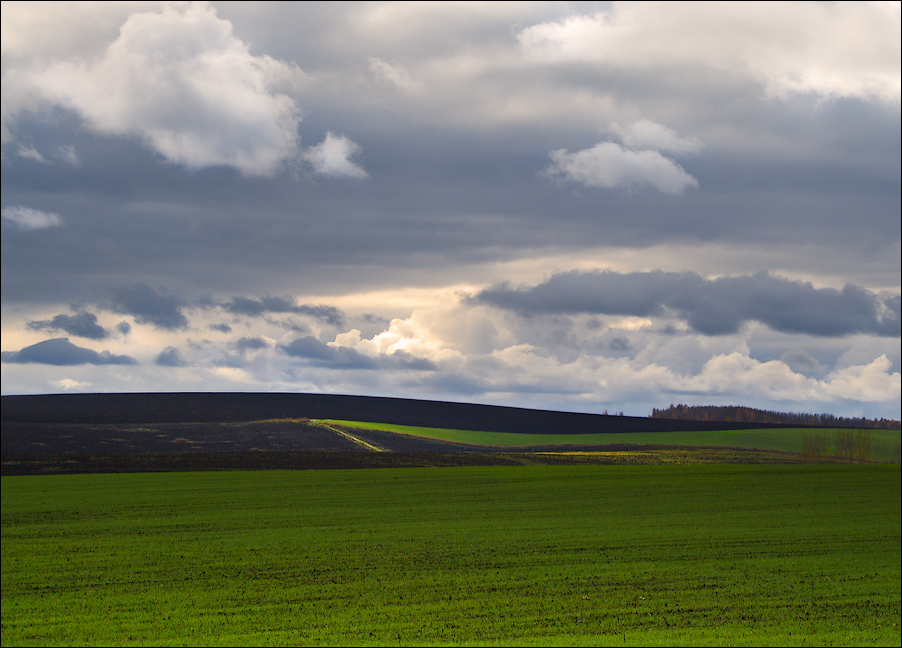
pixel 332 157
pixel 185 84
pixel 609 165
pixel 637 163
pixel 837 49
pixel 646 134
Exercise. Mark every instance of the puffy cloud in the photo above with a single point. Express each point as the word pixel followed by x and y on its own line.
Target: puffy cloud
pixel 30 219
pixel 646 134
pixel 866 383
pixel 61 352
pixel 712 307
pixel 410 337
pixel 725 378
pixel 841 49
pixel 331 157
pixel 637 163
pixel 82 324
pixel 180 80
pixel 149 307
pixel 608 165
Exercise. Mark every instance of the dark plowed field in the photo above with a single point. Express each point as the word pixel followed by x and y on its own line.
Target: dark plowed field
pixel 175 432
pixel 158 438
pixel 285 445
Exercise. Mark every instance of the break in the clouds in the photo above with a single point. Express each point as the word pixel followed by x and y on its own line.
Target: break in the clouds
pixel 709 306
pixel 61 352
pixel 27 218
pixel 580 206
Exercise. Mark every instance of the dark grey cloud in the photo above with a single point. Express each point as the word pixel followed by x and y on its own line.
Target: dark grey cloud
pixel 711 307
pixel 404 360
pixel 82 324
pixel 257 307
pixel 480 200
pixel 801 360
pixel 251 343
pixel 61 352
pixel 149 306
pixel 320 354
pixel 222 328
pixel 619 345
pixel 124 328
pixel 323 355
pixel 170 357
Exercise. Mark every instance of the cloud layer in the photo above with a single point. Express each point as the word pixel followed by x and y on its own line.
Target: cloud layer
pixel 567 205
pixel 710 307
pixel 845 49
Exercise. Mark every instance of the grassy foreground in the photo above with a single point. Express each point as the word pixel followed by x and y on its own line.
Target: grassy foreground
pixel 537 555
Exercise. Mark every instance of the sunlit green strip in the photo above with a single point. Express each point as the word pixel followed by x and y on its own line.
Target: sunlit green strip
pixel 782 439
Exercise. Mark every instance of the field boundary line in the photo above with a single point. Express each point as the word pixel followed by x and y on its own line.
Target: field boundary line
pixel 350 437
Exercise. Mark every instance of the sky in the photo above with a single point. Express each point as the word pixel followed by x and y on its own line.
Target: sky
pixel 573 206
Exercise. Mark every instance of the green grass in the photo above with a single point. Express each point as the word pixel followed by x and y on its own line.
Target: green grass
pixel 783 439
pixel 557 555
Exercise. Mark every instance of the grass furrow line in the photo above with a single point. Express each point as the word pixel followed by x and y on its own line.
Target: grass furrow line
pixel 352 438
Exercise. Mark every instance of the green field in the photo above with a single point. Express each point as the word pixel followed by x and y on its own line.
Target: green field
pixel 558 555
pixel 782 439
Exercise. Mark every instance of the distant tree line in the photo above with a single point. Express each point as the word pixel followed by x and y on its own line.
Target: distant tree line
pixel 751 415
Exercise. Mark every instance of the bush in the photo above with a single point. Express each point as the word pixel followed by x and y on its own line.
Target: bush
pixel 814 445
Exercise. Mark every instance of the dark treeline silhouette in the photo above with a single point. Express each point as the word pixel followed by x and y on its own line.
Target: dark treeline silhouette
pixel 738 414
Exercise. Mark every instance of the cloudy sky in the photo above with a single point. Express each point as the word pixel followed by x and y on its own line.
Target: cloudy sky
pixel 574 206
